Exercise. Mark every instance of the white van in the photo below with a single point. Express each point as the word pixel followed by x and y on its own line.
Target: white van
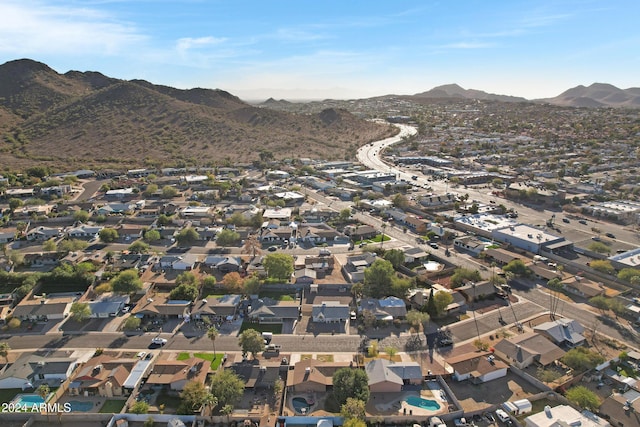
pixel 502 415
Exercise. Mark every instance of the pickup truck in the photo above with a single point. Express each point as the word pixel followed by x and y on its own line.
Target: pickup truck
pixel 272 348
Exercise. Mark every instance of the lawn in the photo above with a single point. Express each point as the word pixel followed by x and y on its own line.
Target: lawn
pixel 112 406
pixel 183 356
pixel 278 296
pixel 276 329
pixel 325 357
pixel 215 362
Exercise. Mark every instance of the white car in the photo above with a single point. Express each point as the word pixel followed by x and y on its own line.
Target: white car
pixel 158 341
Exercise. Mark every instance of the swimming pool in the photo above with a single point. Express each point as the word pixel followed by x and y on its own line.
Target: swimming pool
pixel 77 406
pixel 301 405
pixel 23 400
pixel 419 402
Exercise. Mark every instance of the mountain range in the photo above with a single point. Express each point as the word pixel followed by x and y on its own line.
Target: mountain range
pixel 86 119
pixel 594 96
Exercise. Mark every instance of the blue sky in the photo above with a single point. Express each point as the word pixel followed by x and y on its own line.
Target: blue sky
pixel 306 49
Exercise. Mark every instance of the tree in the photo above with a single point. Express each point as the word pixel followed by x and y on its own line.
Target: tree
pixel 169 192
pixel 233 282
pixel 227 237
pixel 108 235
pixel 442 301
pixel 251 341
pixel 481 345
pixel 141 407
pixel 149 422
pixel 15 203
pixel 187 237
pixel 251 245
pixel 344 215
pixel 184 292
pixel 50 246
pixel 152 236
pixel 600 302
pixel 80 311
pixel 555 284
pixel 227 410
pixel 151 188
pixel 599 247
pixel 583 397
pixel 5 348
pixel 353 409
pixel 517 267
pixel 138 247
pixel 348 382
pixel 354 422
pixel 126 282
pixel 581 359
pixel 81 216
pixel 278 266
pixel 464 275
pixel 14 323
pixel 164 220
pixel 187 278
pixel 378 278
pixel 132 323
pixel 209 281
pixel 395 257
pixel 416 319
pixel 43 391
pixel 251 285
pixel 391 352
pixel 192 396
pixel 212 334
pixel 227 386
pixel 628 274
pixel 603 266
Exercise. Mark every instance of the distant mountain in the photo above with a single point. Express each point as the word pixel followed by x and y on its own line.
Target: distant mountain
pixel 597 95
pixel 455 91
pixel 86 119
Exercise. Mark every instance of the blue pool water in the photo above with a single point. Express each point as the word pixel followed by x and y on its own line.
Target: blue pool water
pixel 77 406
pixel 300 403
pixel 419 402
pixel 27 400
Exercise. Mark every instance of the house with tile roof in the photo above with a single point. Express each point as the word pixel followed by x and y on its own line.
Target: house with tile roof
pixel 175 374
pixel 267 310
pixel 102 375
pixel 312 375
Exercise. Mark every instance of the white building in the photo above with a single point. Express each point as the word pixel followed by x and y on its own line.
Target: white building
pixel 564 415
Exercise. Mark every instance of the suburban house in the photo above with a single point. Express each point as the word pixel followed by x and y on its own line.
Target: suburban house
pixel 563 332
pixel 501 256
pixel 216 309
pixel 115 208
pixel 175 374
pixel 330 312
pixel 43 308
pixel 470 244
pixel 179 262
pixel 305 276
pixel 354 268
pixel 475 291
pixel 621 409
pixel 389 377
pixel 161 306
pixel 267 310
pixel 388 308
pixel 29 369
pixel 42 234
pixel 540 271
pixel 257 376
pixel 102 376
pixel 312 375
pixel 322 265
pixel 84 232
pixel 130 231
pixel 412 255
pixel 582 287
pixel 8 234
pixel 476 367
pixel 362 232
pixel 567 415
pixel 108 306
pixel 527 349
pixel 224 264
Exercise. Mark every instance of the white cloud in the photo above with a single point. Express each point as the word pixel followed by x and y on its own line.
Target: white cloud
pixel 187 43
pixel 34 28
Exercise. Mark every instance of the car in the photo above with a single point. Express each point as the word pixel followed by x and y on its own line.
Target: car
pixel 502 415
pixel 125 309
pixel 566 220
pixel 141 355
pixel 434 245
pixel 583 222
pixel 272 248
pixel 158 341
pixel 610 235
pixel 489 417
pixel 595 238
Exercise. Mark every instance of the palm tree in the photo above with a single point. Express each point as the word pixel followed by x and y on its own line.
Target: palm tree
pixel 211 402
pixel 227 410
pixel 212 334
pixel 43 391
pixel 384 226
